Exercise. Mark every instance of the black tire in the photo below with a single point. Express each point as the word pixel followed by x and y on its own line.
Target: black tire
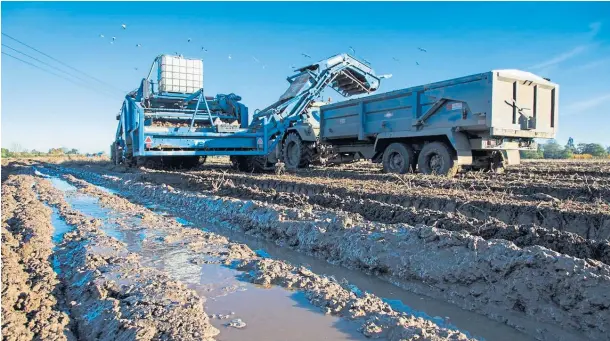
pixel 498 163
pixel 235 161
pixel 250 164
pixel 113 154
pixel 187 162
pixel 437 158
pixel 397 158
pixel 296 153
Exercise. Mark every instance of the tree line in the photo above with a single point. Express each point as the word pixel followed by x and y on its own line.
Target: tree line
pixel 553 150
pixel 17 152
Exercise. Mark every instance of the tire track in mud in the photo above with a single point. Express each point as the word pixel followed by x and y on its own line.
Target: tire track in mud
pixel 588 222
pixel 377 317
pixel 533 289
pixel 585 190
pixel 490 228
pixel 114 297
pixel 32 301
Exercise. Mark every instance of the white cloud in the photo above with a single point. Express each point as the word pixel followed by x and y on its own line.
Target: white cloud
pixel 594 29
pixel 587 104
pixel 560 58
pixel 593 64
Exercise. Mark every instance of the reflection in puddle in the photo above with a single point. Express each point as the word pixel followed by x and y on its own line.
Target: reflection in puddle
pixel 269 313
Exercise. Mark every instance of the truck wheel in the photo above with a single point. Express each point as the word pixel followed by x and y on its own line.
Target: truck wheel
pixel 397 158
pixel 498 163
pixel 437 158
pixel 296 153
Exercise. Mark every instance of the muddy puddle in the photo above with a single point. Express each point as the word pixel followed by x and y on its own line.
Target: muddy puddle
pixel 256 313
pixel 442 313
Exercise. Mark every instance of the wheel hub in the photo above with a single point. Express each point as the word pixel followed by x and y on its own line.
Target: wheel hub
pixel 436 163
pixel 396 161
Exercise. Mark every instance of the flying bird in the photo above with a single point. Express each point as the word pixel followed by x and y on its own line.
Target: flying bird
pixel 395 59
pixel 188 40
pixel 422 49
pixel 305 55
pixel 204 49
pixel 416 63
pixel 113 38
pixel 230 57
pixel 124 26
pixel 256 60
pixel 138 45
pixel 135 68
pixel 352 49
pixel 101 36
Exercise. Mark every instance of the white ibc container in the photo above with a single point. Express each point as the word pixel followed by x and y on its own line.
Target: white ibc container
pixel 177 74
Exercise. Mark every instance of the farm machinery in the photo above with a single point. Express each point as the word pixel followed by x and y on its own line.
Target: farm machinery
pixel 480 121
pixel 172 122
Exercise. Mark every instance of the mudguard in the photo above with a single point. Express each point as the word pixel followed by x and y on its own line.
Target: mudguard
pixel 306 132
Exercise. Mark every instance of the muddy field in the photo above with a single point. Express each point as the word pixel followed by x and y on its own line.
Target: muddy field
pixel 93 251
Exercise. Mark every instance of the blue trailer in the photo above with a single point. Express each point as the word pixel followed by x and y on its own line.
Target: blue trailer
pixel 171 121
pixel 478 121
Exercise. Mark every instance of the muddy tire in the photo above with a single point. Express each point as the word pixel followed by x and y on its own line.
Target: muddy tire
pixel 113 154
pixel 251 164
pixel 498 163
pixel 297 153
pixel 437 158
pixel 188 162
pixel 397 158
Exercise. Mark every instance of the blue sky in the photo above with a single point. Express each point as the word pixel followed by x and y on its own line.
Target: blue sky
pixel 568 42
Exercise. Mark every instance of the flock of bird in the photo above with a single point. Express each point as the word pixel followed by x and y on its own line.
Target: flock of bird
pixel 352 50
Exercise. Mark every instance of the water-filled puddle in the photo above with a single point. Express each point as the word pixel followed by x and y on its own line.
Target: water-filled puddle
pixel 268 313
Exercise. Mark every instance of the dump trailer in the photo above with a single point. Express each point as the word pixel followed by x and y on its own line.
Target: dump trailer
pixel 480 121
pixel 172 121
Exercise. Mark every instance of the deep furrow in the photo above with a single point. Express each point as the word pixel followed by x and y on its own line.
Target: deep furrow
pixel 377 317
pixel 32 298
pixel 494 277
pixel 522 235
pixel 591 224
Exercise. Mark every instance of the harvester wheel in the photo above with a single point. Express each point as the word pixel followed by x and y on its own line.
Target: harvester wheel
pixel 113 156
pixel 398 158
pixel 437 158
pixel 249 164
pixel 189 162
pixel 297 153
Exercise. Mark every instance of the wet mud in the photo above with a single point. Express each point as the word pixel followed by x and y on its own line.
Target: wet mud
pixel 492 277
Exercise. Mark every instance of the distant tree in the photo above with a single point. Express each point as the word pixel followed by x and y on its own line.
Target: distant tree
pixel 595 149
pixel 6 153
pixel 570 147
pixel 72 151
pixel 552 150
pixel 56 151
pixel 532 154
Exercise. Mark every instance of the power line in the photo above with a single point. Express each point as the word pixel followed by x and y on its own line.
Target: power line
pixel 62 63
pixel 53 73
pixel 86 82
